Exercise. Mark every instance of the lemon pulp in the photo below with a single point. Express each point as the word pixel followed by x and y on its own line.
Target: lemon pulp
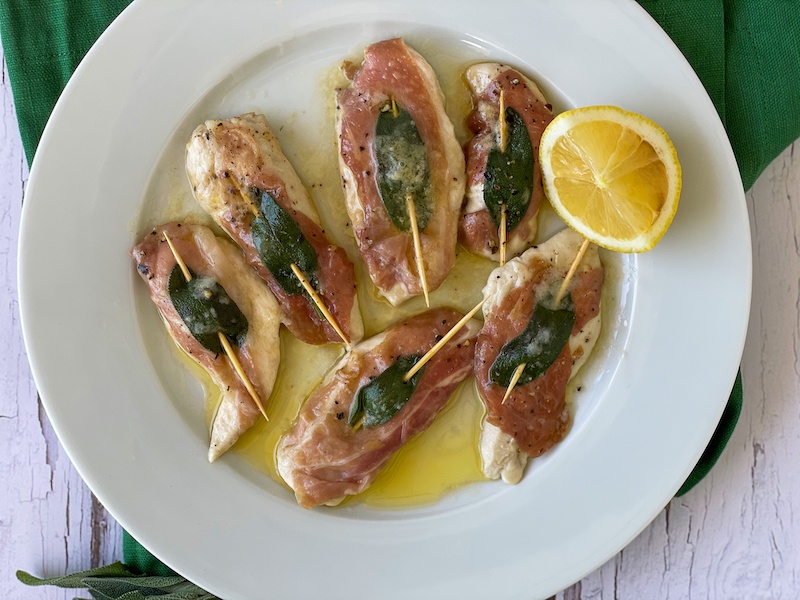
pixel 612 175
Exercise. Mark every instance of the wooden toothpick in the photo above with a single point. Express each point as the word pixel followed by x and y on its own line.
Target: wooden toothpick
pixel 302 278
pixel 573 267
pixel 561 291
pixel 514 379
pixel 320 304
pixel 223 340
pixel 503 234
pixel 184 269
pixel 237 366
pixel 412 215
pixel 502 122
pixel 247 199
pixel 395 112
pixel 446 338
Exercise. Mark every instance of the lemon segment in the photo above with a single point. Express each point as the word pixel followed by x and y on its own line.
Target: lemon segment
pixel 612 175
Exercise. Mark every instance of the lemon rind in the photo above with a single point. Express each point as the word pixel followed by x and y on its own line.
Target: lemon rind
pixel 650 132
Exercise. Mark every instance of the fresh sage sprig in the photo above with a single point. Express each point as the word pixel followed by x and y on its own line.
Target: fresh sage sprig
pixel 280 243
pixel 206 309
pixel 384 396
pixel 402 168
pixel 118 582
pixel 538 346
pixel 508 178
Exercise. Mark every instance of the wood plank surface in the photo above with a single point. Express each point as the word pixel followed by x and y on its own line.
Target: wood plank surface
pixel 50 523
pixel 734 536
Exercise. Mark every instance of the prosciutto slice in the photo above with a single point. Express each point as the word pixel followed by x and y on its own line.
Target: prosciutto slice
pixel 392 70
pixel 535 416
pixel 323 458
pixel 242 154
pixel 477 231
pixel 259 354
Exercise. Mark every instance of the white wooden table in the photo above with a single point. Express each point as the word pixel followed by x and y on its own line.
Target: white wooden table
pixel 734 536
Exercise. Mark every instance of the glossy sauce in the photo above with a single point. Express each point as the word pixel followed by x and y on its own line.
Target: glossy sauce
pixel 442 458
pixel 445 456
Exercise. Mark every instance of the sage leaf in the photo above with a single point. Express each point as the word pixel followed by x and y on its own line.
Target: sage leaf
pixel 538 346
pixel 280 242
pixel 508 178
pixel 206 309
pixel 118 582
pixel 402 168
pixel 384 396
pixel 356 410
pixel 118 587
pixel 75 580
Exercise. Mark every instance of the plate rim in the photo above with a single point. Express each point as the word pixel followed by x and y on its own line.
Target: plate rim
pixel 85 66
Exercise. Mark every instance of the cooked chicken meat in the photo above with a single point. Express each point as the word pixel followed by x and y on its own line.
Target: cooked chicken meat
pixel 226 296
pixel 525 107
pixel 242 179
pixel 535 416
pixel 329 454
pixel 395 142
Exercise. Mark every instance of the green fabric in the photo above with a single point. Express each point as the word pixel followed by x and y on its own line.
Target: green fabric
pixel 721 436
pixel 44 40
pixel 140 560
pixel 746 52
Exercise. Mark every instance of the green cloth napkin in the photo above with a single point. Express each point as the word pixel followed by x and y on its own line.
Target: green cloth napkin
pixel 746 52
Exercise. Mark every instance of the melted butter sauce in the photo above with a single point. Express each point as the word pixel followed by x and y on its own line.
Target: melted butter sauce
pixel 302 370
pixel 445 456
pixel 440 459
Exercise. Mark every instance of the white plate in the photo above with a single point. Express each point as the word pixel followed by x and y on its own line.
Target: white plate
pixel 657 391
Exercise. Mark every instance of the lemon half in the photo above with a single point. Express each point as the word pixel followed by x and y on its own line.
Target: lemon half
pixel 611 175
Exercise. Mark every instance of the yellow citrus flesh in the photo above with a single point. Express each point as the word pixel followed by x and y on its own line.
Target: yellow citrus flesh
pixel 612 175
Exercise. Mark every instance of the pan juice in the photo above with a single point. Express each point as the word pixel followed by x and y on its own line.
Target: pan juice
pixel 438 460
pixel 445 456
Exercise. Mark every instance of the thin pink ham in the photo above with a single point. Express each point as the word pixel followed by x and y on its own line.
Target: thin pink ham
pixel 323 458
pixel 392 70
pixel 477 231
pixel 535 416
pixel 259 354
pixel 223 158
